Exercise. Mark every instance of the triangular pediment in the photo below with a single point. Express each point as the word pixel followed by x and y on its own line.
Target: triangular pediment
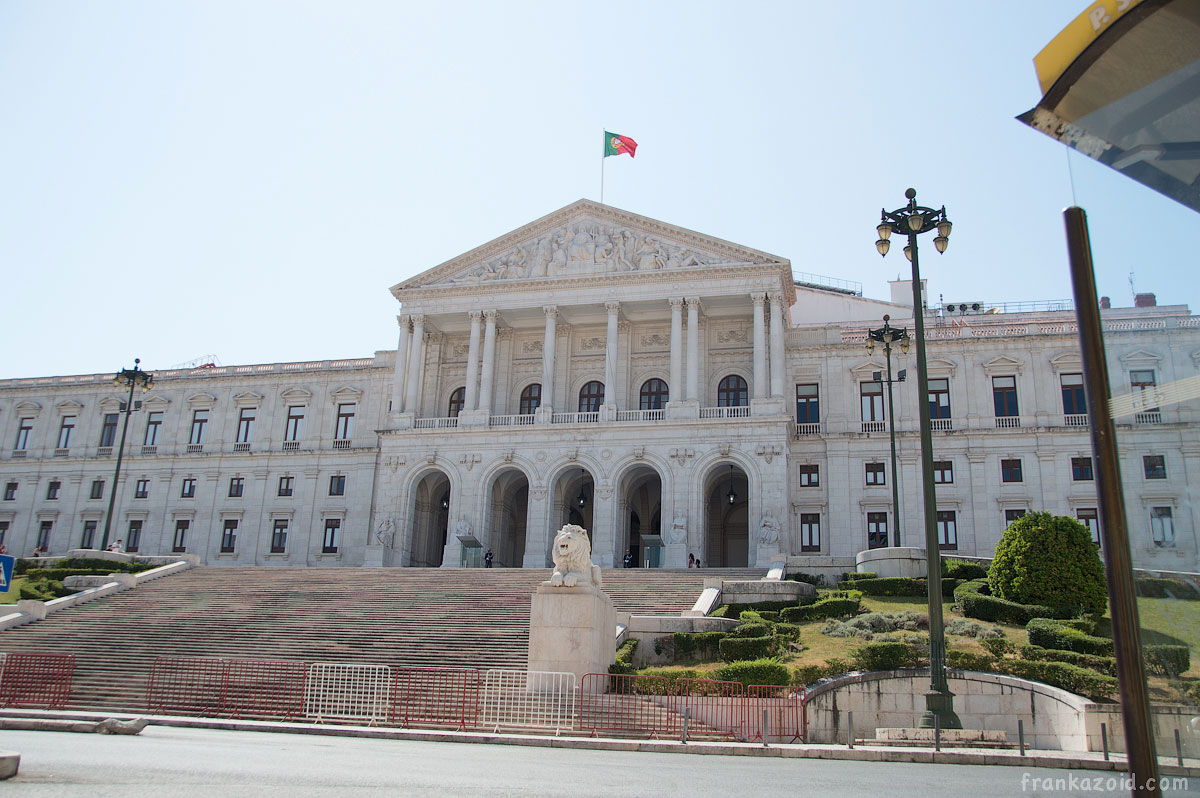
pixel 586 239
pixel 1003 365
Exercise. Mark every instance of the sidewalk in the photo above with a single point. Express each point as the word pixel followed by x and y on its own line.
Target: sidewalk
pixel 1072 760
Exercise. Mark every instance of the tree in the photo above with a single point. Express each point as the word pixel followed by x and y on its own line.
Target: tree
pixel 1051 560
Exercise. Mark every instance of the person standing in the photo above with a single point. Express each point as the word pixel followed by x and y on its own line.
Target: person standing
pixel 628 560
pixel 487 559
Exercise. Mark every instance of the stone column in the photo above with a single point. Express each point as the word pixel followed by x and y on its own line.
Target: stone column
pixel 610 355
pixel 401 369
pixel 471 395
pixel 760 346
pixel 548 346
pixel 676 385
pixel 777 361
pixel 693 350
pixel 416 354
pixel 489 361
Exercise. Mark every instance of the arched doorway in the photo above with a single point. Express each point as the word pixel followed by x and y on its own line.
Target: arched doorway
pixel 430 520
pixel 641 517
pixel 726 518
pixel 508 512
pixel 575 499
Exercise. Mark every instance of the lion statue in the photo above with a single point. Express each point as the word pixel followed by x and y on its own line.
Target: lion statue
pixel 572 557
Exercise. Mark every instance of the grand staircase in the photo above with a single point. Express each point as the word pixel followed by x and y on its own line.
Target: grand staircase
pixel 476 618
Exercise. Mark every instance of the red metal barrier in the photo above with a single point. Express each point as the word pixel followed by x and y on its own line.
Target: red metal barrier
pixel 714 707
pixel 188 685
pixel 628 704
pixel 436 697
pixel 264 688
pixel 786 713
pixel 30 679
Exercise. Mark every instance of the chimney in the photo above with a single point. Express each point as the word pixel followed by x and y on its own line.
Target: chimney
pixel 1144 300
pixel 1105 303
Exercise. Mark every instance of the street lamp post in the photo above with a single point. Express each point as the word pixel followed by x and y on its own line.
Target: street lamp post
pixel 912 220
pixel 886 335
pixel 133 378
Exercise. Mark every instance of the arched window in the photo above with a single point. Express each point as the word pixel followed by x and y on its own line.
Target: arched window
pixel 531 399
pixel 732 392
pixel 457 399
pixel 591 396
pixel 654 394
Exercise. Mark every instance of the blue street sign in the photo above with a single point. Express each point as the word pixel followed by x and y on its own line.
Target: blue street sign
pixel 6 569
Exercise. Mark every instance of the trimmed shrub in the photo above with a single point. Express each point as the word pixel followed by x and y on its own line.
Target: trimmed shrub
pixel 963 570
pixel 884 655
pixel 751 629
pixel 836 666
pixel 769 615
pixel 736 610
pixel 672 675
pixel 1071 678
pixel 1050 560
pixel 734 649
pixel 970 660
pixel 1049 633
pixel 1105 665
pixel 854 576
pixel 1087 625
pixel 1166 660
pixel 998 646
pixel 696 645
pixel 891 586
pixel 974 600
pixel 816 580
pixel 1159 587
pixel 836 604
pixel 807 674
pixel 787 631
pixel 756 671
pixel 624 663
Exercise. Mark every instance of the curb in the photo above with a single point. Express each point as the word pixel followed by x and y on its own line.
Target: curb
pixel 10 763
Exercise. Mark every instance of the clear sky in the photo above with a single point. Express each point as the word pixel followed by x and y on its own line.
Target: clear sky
pixel 247 178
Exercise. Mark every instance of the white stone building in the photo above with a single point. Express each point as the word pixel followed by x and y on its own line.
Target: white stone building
pixel 678 395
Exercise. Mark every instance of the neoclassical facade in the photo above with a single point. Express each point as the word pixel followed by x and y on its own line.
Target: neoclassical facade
pixel 681 397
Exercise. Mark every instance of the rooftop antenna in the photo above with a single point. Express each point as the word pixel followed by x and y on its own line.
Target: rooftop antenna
pixel 1132 290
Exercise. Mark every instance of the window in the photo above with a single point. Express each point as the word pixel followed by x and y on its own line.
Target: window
pixel 229 536
pixel 97 491
pixel 943 472
pixel 1143 383
pixel 23 431
pixel 808 405
pixel 1091 519
pixel 108 431
pixel 939 398
pixel 810 531
pixel 189 489
pixel 1162 527
pixel 153 423
pixel 947 527
pixel 4 531
pixel 337 486
pixel 458 400
pixel 89 535
pixel 876 474
pixel 236 486
pixel 591 396
pixel 64 432
pixel 10 491
pixel 43 537
pixel 877 531
pixel 872 401
pixel 1155 466
pixel 343 430
pixel 286 485
pixel 134 538
pixel 142 489
pixel 279 536
pixel 733 392
pixel 52 490
pixel 246 424
pixel 1004 396
pixel 1010 471
pixel 295 423
pixel 1012 515
pixel 1081 468
pixel 531 399
pixel 810 476
pixel 179 542
pixel 329 543
pixel 1074 400
pixel 199 422
pixel 654 395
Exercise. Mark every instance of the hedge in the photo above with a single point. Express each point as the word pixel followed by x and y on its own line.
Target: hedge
pixel 752 629
pixel 974 601
pixel 696 645
pixel 1167 660
pixel 816 580
pixel 854 576
pixel 1068 677
pixel 734 649
pixel 624 663
pixel 831 607
pixel 1159 587
pixel 1049 633
pixel 890 586
pixel 1095 662
pixel 787 631
pixel 756 671
pixel 970 660
pixel 736 610
pixel 884 655
pixel 962 569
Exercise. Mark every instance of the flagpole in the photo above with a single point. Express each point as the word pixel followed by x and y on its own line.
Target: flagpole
pixel 604 137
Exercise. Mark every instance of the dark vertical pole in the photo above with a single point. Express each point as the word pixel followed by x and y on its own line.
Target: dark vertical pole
pixel 887 349
pixel 1122 602
pixel 112 491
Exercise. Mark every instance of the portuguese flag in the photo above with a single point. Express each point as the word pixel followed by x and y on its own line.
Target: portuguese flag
pixel 616 144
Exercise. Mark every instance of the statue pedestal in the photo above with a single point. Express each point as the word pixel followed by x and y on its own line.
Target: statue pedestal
pixel 572 630
pixel 767 552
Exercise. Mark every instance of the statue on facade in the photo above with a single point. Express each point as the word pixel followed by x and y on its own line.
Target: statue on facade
pixel 572 557
pixel 769 532
pixel 385 533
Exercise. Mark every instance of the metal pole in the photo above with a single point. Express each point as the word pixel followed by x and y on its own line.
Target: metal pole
pixel 1021 735
pixel 687 715
pixel 765 730
pixel 1122 601
pixel 1104 739
pixel 112 492
pixel 887 351
pixel 850 729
